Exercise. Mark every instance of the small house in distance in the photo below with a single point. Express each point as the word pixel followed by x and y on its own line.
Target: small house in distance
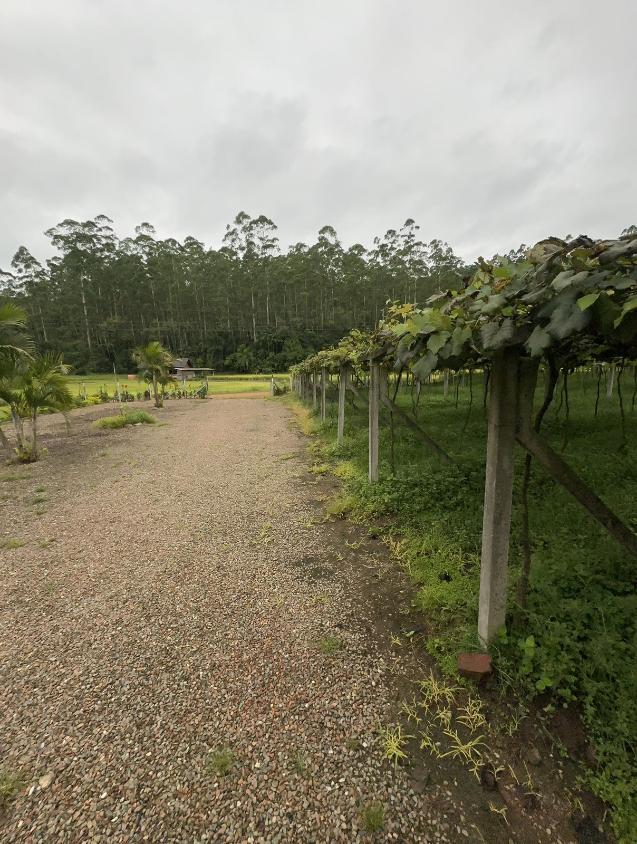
pixel 183 370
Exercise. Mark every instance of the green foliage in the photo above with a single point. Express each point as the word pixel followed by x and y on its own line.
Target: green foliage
pixel 373 817
pixel 241 304
pixel 576 301
pixel 220 762
pixel 10 785
pixel 31 385
pixel 393 742
pixel 153 361
pixel 298 762
pixel 121 420
pixel 330 645
pixel 10 543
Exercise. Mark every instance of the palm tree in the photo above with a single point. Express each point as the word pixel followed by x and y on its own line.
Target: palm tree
pixel 10 396
pixel 154 361
pixel 42 387
pixel 15 347
pixel 13 339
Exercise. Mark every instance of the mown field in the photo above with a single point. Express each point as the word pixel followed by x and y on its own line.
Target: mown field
pixel 574 647
pixel 217 384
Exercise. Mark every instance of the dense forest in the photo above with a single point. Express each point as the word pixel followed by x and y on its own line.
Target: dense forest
pixel 246 306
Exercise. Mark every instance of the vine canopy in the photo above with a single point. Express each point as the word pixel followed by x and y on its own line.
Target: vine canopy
pixel 575 301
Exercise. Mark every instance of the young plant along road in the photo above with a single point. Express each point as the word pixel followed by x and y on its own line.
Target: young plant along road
pixel 188 653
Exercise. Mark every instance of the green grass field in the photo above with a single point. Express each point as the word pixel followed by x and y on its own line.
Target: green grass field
pixel 217 384
pixel 577 638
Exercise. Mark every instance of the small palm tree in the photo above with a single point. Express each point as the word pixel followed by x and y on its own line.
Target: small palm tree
pixel 154 361
pixel 10 396
pixel 44 388
pixel 15 347
pixel 30 386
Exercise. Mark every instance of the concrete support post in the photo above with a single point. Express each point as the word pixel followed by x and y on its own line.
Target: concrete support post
pixel 323 389
pixel 610 382
pixel 314 390
pixel 342 391
pixel 446 383
pixel 374 408
pixel 498 494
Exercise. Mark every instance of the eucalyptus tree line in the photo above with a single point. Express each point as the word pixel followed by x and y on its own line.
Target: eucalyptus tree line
pixel 247 304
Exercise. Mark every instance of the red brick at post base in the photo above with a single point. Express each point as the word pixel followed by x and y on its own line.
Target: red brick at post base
pixel 475 666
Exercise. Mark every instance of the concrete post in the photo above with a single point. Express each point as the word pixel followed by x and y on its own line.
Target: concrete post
pixel 323 388
pixel 342 391
pixel 498 494
pixel 314 390
pixel 374 408
pixel 611 382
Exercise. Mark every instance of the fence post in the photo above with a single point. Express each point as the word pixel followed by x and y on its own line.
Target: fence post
pixel 323 388
pixel 272 386
pixel 314 390
pixel 498 494
pixel 446 384
pixel 374 407
pixel 342 390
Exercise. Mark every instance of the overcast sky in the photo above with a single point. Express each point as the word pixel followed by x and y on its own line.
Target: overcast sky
pixel 490 123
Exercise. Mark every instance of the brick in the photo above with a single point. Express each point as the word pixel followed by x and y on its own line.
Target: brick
pixel 475 666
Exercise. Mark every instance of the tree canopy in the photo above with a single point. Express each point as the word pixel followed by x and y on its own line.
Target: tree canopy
pixel 248 300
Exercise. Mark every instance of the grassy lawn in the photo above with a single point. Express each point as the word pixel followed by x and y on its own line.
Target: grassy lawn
pixel 217 384
pixel 576 642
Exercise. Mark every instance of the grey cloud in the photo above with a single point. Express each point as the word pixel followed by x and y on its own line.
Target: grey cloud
pixel 489 124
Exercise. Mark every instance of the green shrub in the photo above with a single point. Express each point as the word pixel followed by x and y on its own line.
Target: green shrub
pixel 135 417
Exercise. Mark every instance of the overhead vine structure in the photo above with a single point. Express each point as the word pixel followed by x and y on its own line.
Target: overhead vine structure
pixel 567 304
pixel 574 301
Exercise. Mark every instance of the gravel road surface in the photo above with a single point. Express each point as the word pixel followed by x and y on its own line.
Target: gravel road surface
pixel 175 596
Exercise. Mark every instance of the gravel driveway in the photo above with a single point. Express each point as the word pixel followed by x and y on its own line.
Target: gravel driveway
pixel 176 596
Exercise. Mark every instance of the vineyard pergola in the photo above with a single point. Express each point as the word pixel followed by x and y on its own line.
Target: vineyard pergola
pixel 567 304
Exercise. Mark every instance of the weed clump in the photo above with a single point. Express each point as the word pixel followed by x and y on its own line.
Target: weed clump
pixel 330 645
pixel 220 762
pixel 10 784
pixel 373 817
pixel 121 420
pixel 10 544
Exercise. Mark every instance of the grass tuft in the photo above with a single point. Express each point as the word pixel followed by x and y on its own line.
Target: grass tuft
pixel 11 543
pixel 10 785
pixel 330 645
pixel 373 817
pixel 340 506
pixel 298 762
pixel 220 762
